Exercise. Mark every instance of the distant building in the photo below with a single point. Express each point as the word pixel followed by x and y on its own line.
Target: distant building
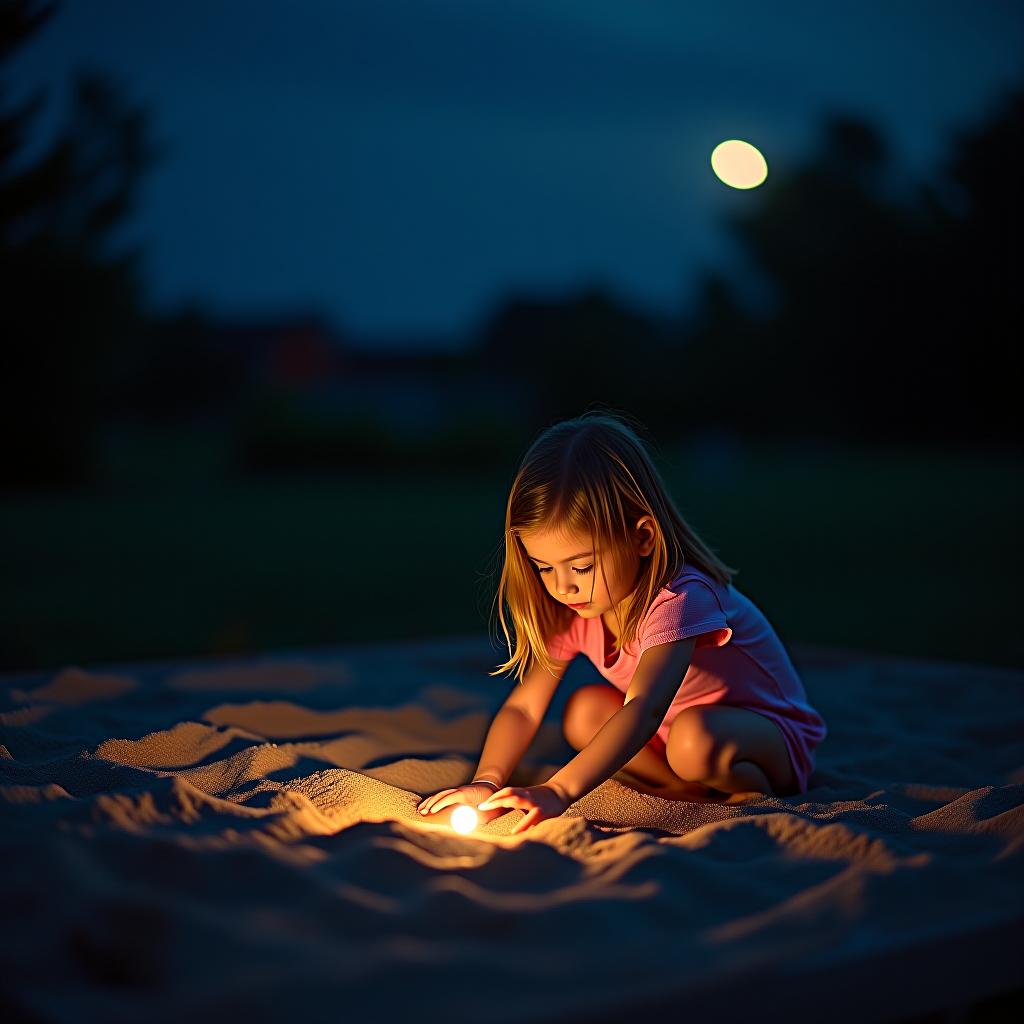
pixel 408 394
pixel 290 355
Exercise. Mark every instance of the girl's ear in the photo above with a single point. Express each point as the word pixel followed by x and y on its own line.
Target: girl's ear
pixel 647 534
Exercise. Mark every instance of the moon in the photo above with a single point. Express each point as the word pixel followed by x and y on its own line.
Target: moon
pixel 739 164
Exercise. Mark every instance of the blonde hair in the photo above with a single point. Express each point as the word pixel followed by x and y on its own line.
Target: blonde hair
pixel 589 476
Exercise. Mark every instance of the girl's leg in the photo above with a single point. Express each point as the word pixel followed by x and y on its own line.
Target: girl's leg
pixel 743 777
pixel 586 712
pixel 730 748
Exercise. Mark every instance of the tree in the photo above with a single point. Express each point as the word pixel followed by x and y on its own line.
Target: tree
pixel 70 303
pixel 582 348
pixel 894 318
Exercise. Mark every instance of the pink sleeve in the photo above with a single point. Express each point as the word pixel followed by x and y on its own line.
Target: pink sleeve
pixel 694 611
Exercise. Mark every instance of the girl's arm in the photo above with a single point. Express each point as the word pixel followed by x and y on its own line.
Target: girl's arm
pixel 656 681
pixel 510 734
pixel 517 722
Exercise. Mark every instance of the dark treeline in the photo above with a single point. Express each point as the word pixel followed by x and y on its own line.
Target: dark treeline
pixel 892 319
pixel 71 307
pixel 895 320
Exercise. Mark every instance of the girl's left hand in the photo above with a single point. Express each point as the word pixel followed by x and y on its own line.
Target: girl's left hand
pixel 539 802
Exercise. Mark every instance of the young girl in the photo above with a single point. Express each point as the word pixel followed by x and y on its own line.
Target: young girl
pixel 599 561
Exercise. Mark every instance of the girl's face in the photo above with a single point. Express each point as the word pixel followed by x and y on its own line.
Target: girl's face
pixel 574 577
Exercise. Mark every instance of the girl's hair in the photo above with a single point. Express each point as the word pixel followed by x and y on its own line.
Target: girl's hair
pixel 589 476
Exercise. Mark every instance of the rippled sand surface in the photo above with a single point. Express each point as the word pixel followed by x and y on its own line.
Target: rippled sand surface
pixel 239 839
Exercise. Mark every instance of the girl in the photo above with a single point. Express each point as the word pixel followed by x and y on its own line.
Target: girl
pixel 599 561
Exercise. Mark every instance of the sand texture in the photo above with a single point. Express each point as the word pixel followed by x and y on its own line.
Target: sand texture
pixel 225 839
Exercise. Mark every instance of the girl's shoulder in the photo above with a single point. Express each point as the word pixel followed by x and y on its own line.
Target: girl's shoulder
pixel 697 585
pixel 692 603
pixel 688 574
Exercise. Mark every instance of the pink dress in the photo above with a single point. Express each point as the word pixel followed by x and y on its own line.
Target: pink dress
pixel 738 659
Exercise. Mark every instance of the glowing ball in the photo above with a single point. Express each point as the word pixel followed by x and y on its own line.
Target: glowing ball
pixel 739 164
pixel 464 818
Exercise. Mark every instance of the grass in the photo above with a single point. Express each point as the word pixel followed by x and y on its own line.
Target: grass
pixel 903 552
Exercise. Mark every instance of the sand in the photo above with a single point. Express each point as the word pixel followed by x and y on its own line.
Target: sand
pixel 238 838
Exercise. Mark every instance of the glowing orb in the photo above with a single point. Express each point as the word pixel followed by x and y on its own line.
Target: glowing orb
pixel 739 164
pixel 464 819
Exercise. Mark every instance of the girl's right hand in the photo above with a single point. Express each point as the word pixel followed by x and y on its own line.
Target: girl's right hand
pixel 472 793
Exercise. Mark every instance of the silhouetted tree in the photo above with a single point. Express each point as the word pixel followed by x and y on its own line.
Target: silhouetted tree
pixel 588 347
pixel 69 303
pixel 893 318
pixel 979 298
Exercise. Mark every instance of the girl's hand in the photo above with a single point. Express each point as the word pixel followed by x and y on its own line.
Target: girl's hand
pixel 539 802
pixel 471 794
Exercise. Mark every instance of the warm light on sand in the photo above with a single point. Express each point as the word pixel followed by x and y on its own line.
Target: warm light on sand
pixel 351 841
pixel 464 819
pixel 739 164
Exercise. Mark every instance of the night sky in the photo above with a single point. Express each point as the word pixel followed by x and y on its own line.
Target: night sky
pixel 401 166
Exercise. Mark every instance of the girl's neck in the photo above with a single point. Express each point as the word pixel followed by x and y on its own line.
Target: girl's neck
pixel 608 618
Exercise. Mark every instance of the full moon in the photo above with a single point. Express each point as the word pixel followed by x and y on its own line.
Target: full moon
pixel 739 164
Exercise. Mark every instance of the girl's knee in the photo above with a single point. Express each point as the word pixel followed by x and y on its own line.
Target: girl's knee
pixel 691 749
pixel 586 711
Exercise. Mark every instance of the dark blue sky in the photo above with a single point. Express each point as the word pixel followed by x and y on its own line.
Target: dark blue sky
pixel 400 166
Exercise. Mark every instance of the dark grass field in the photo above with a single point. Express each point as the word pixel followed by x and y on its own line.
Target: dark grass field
pixel 902 552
